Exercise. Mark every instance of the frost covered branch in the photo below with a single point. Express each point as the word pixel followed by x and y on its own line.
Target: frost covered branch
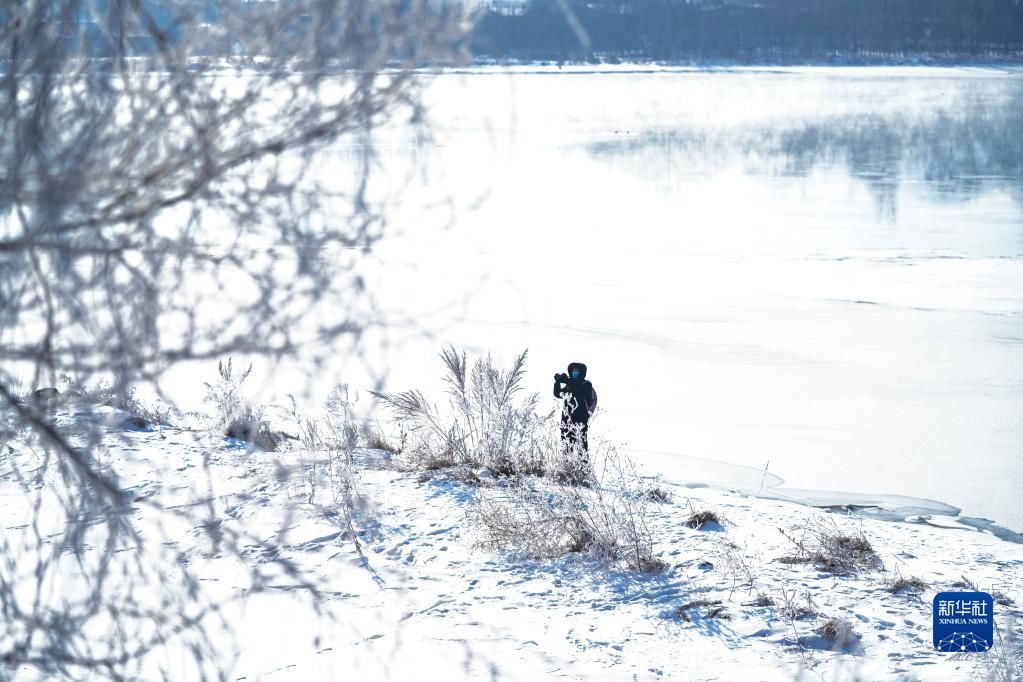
pixel 162 201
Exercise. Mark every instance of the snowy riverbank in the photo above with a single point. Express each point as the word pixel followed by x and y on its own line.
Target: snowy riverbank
pixel 415 596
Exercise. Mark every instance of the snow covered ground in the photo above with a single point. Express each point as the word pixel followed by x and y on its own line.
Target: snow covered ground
pixel 417 600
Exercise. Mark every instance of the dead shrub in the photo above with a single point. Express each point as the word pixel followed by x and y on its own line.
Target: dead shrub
pixel 234 416
pixel 657 494
pixel 902 583
pixel 839 631
pixel 705 519
pixel 762 600
pixel 1003 662
pixel 707 608
pixel 998 596
pixel 376 440
pixel 326 453
pixel 138 413
pixel 792 610
pixel 829 548
pixel 546 520
pixel 485 424
pixel 741 567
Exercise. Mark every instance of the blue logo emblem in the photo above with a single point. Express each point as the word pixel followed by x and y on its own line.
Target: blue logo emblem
pixel 963 621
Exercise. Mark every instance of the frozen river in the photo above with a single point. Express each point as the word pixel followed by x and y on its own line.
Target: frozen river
pixel 817 271
pixel 821 268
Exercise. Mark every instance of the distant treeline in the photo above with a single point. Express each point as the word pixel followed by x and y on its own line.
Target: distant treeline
pixel 751 30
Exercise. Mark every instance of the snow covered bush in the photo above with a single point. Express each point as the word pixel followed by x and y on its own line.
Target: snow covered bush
pixel 544 519
pixel 905 584
pixel 792 610
pixel 117 394
pixel 823 543
pixel 234 416
pixel 339 432
pixel 741 567
pixel 706 519
pixel 250 425
pixel 485 423
pixel 377 440
pixel 139 412
pixel 704 608
pixel 839 631
pixel 1004 661
pixel 327 447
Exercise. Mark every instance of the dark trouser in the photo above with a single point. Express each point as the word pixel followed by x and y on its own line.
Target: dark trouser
pixel 574 436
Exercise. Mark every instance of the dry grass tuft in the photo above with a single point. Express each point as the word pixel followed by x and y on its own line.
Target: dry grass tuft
pixel 998 596
pixel 139 413
pixel 762 600
pixel 906 584
pixel 791 610
pixel 705 518
pixel 660 495
pixel 235 416
pixel 377 441
pixel 829 548
pixel 1002 598
pixel 462 474
pixel 838 631
pixel 487 422
pixel 1004 661
pixel 545 519
pixel 713 607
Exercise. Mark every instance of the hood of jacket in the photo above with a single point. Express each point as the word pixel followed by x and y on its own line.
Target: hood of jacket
pixel 577 365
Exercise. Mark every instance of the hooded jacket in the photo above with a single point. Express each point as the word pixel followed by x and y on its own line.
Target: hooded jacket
pixel 579 394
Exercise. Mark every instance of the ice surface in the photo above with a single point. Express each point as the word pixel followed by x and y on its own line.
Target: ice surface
pixel 804 266
pixel 817 268
pixel 698 471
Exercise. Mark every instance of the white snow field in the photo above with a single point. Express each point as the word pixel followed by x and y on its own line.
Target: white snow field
pixel 417 600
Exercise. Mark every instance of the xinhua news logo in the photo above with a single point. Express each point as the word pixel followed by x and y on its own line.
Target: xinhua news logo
pixel 963 621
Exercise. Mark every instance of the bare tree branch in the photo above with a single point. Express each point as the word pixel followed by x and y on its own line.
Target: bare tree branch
pixel 163 199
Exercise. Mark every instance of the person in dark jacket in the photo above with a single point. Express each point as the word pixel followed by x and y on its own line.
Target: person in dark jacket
pixel 580 400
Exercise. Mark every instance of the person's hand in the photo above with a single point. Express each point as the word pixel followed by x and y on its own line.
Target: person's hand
pixel 563 378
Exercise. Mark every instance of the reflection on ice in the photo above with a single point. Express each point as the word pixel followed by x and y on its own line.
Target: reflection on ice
pixel 960 149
